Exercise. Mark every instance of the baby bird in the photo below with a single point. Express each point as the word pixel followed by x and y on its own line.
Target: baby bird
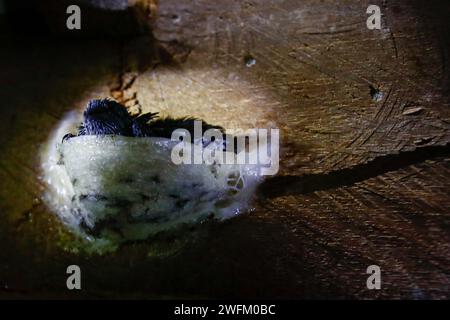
pixel 105 116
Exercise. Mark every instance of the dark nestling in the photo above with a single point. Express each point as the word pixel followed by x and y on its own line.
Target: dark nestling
pixel 106 116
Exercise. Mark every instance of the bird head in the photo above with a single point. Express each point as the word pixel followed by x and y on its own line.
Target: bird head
pixel 106 116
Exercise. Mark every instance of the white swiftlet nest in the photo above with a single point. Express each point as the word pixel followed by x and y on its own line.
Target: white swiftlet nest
pixel 113 189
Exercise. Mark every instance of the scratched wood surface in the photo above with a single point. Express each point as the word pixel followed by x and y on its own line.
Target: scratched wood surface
pixel 364 167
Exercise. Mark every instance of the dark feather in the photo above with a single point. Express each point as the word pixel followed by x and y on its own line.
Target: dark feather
pixel 106 116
